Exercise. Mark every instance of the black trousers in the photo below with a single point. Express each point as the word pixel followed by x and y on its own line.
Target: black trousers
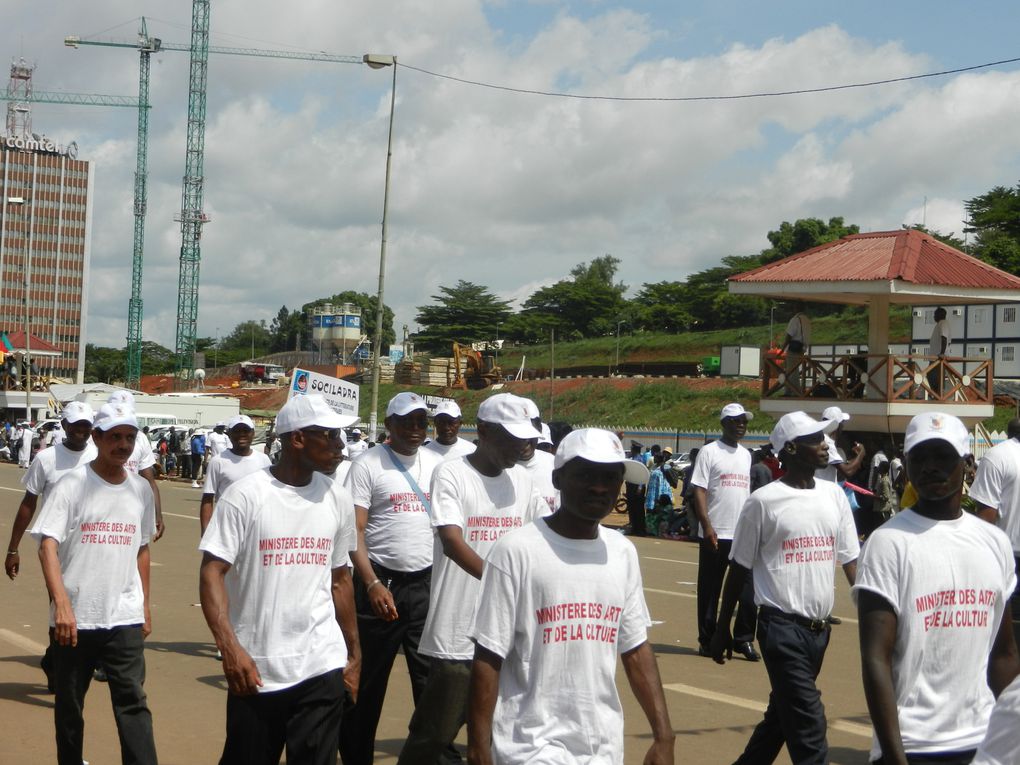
pixel 380 641
pixel 712 565
pixel 941 758
pixel 636 510
pixel 120 651
pixel 305 718
pixel 795 716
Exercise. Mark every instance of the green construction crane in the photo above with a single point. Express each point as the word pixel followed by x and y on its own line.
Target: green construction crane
pixel 73 99
pixel 191 216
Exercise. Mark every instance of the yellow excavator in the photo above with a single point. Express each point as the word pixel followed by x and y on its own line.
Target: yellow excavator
pixel 481 370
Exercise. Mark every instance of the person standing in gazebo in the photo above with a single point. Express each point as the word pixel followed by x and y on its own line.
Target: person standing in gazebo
pixel 795 345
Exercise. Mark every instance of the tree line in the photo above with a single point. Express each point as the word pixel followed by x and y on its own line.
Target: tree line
pixel 589 302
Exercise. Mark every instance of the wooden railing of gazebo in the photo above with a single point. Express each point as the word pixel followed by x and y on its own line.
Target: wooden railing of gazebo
pixel 866 377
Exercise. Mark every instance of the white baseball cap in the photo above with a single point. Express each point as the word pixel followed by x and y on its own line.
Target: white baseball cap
pixel 532 407
pixel 240 419
pixel 356 432
pixel 512 412
pixel 929 425
pixel 449 408
pixel 735 410
pixel 796 425
pixel 111 415
pixel 122 396
pixel 308 411
pixel 76 411
pixel 546 435
pixel 597 445
pixel 835 413
pixel 405 403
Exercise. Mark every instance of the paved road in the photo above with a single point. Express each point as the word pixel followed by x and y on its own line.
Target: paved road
pixel 713 708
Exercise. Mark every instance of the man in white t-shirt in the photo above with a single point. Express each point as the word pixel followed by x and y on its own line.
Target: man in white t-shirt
pixel 538 463
pixel 795 347
pixel 217 442
pixel 142 460
pixel 446 420
pixel 276 592
pixel 791 533
pixel 94 531
pixel 475 500
pixel 996 489
pixel 1002 745
pixel 841 467
pixel 356 445
pixel 392 565
pixel 938 346
pixel 231 465
pixel 721 483
pixel 76 448
pixel 561 599
pixel 932 593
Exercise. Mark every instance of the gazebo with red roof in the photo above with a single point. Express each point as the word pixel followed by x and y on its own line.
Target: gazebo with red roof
pixel 881 391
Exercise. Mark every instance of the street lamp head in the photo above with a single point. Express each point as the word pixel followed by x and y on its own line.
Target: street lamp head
pixel 378 60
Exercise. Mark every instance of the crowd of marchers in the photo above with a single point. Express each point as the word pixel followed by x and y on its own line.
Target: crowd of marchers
pixel 487 566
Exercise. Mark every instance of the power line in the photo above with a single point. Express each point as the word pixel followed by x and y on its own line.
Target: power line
pixel 771 94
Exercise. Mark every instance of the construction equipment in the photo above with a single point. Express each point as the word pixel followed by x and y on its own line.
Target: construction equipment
pixel 191 216
pixel 474 369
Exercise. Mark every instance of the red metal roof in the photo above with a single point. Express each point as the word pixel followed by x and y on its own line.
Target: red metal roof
pixel 17 341
pixel 908 255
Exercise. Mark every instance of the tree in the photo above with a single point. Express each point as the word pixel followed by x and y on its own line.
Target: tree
pixel 951 239
pixel 287 330
pixel 156 360
pixel 463 313
pixel 994 218
pixel 586 305
pixel 103 365
pixel 251 337
pixel 803 234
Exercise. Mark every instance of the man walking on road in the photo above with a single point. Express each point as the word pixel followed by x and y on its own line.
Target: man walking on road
pixel 560 600
pixel 475 501
pixel 932 593
pixel 277 596
pixel 230 466
pixel 721 483
pixel 94 531
pixel 392 565
pixel 791 534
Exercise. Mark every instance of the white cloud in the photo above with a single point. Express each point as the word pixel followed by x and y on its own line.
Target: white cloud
pixel 505 190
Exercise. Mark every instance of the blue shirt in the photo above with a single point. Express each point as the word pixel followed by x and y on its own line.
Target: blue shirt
pixel 198 444
pixel 657 486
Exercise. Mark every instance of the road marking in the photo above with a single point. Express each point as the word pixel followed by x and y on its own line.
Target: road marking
pixel 671 592
pixel 724 698
pixel 16 491
pixel 178 515
pixel 671 560
pixel 22 642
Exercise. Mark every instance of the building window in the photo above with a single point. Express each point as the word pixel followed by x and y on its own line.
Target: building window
pixel 1008 353
pixel 1009 314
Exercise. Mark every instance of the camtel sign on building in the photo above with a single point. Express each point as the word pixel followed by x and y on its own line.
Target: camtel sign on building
pixel 43 144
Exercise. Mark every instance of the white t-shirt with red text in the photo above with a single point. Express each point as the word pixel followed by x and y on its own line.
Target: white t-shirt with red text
pixel 50 465
pixel 99 528
pixel 949 583
pixel 142 457
pixel 540 468
pixel 997 485
pixel 484 508
pixel 398 535
pixel 228 467
pixel 283 543
pixel 559 611
pixel 792 539
pixel 725 473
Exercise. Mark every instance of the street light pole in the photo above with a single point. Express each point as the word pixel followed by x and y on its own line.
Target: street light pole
pixel 618 324
pixel 497 344
pixel 376 61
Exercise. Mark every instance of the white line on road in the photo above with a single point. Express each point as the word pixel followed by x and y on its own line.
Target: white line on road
pixel 178 515
pixel 736 701
pixel 16 491
pixel 22 642
pixel 671 560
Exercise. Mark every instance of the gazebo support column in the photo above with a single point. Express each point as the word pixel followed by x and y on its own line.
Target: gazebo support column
pixel 878 341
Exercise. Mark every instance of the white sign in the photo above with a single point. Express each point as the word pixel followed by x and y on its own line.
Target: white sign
pixel 43 144
pixel 341 395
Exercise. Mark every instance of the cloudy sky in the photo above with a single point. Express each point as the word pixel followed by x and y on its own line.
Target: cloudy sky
pixel 512 190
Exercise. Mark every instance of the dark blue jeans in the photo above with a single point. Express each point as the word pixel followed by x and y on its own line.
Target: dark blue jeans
pixel 795 716
pixel 119 651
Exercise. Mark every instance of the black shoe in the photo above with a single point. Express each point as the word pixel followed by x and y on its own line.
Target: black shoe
pixel 99 674
pixel 703 650
pixel 835 620
pixel 747 651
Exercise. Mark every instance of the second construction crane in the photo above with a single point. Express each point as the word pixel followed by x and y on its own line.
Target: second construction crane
pixel 191 216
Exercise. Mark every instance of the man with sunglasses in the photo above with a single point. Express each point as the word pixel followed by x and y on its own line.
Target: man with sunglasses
pixel 277 595
pixel 475 500
pixel 791 533
pixel 392 564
